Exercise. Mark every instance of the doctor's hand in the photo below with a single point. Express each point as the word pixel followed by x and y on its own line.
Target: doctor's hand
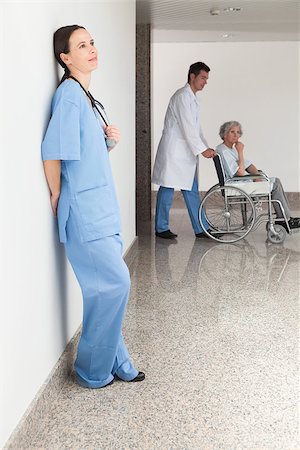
pixel 113 133
pixel 209 153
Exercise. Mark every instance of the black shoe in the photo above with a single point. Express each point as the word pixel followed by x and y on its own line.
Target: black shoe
pixel 204 235
pixel 140 377
pixel 201 235
pixel 166 234
pixel 294 222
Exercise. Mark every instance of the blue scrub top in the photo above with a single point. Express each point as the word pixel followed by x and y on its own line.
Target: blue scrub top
pixel 75 136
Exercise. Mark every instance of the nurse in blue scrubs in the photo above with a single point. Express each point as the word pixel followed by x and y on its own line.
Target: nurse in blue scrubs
pixel 82 196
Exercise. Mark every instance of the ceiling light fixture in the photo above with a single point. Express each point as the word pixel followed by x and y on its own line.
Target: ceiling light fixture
pixel 233 9
pixel 214 12
pixel 227 35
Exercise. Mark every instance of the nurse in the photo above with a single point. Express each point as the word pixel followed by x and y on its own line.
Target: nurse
pixel 177 154
pixel 82 195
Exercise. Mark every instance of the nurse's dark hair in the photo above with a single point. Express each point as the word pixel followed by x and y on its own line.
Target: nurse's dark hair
pixel 196 69
pixel 61 44
pixel 226 127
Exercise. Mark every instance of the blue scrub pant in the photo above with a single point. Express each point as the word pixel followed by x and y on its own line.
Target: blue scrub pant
pixel 164 201
pixel 105 282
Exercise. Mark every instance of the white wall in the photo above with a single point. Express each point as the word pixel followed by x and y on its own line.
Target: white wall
pixel 40 298
pixel 256 83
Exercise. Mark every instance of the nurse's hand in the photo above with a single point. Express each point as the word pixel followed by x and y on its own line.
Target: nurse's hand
pixel 112 133
pixel 54 203
pixel 209 153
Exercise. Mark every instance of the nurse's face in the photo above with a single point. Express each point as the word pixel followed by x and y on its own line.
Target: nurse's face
pixel 232 136
pixel 199 81
pixel 83 55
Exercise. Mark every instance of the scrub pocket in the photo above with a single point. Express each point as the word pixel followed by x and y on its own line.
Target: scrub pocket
pixel 95 204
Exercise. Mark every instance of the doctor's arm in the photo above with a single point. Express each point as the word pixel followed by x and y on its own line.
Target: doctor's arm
pixel 52 173
pixel 187 124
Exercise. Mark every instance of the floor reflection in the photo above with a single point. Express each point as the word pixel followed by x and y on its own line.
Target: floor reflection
pixel 244 265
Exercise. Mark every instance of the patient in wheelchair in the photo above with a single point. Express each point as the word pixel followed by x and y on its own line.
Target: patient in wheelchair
pixel 235 164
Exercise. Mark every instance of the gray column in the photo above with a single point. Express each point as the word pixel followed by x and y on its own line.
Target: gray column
pixel 143 126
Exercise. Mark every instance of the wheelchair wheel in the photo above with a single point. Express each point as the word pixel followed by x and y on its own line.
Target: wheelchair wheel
pixel 276 235
pixel 229 212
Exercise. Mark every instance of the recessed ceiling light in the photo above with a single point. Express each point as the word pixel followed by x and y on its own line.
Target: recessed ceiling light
pixel 233 9
pixel 227 35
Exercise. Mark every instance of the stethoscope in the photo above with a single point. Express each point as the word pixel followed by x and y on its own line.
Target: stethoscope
pixel 95 103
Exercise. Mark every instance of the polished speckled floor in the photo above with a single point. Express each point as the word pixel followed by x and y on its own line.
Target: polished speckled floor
pixel 215 327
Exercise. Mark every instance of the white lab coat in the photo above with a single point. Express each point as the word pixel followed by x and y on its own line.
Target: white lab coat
pixel 181 142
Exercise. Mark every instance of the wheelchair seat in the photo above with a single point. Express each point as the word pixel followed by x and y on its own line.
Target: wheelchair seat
pixel 246 183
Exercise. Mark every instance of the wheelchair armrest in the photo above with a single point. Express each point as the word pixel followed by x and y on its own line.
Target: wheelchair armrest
pixel 261 172
pixel 261 175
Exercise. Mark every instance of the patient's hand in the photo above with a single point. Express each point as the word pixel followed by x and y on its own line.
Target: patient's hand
pixel 239 147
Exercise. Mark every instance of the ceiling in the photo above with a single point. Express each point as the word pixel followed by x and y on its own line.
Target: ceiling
pixel 191 20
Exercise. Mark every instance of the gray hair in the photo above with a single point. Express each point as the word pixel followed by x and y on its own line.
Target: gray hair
pixel 224 129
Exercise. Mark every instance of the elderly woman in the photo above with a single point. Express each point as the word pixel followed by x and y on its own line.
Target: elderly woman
pixel 235 164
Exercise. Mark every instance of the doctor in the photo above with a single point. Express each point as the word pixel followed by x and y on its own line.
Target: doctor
pixel 177 155
pixel 82 195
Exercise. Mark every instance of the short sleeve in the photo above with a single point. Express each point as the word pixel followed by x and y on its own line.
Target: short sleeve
pixel 229 161
pixel 62 138
pixel 230 166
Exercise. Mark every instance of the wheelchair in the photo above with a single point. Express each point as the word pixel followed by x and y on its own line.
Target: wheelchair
pixel 233 208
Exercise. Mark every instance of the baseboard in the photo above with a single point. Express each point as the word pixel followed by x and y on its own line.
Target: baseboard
pixel 131 253
pixel 29 425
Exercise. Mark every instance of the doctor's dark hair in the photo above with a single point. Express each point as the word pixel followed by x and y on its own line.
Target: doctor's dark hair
pixel 196 69
pixel 226 127
pixel 61 39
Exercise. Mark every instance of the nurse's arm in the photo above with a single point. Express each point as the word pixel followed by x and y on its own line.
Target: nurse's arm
pixel 52 172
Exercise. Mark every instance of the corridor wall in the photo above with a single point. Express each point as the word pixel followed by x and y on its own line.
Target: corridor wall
pixel 256 83
pixel 40 298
